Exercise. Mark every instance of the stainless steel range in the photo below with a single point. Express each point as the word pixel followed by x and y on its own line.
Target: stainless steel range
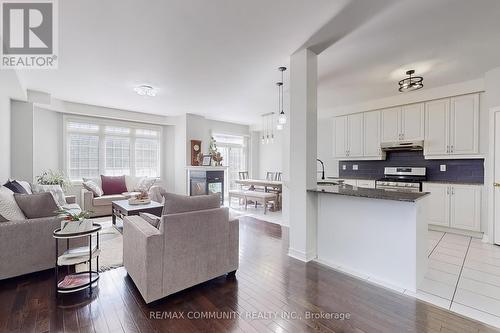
pixel 405 179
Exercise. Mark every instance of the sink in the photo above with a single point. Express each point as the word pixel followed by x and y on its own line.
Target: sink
pixel 327 183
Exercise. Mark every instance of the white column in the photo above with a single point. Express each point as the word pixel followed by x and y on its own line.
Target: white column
pixel 300 153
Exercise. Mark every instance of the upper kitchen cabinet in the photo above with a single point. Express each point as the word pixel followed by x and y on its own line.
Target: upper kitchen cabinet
pixel 355 135
pixel 437 114
pixel 412 122
pixel 391 124
pixel 340 135
pixel 371 122
pixel 349 136
pixel 452 127
pixel 464 127
pixel 404 123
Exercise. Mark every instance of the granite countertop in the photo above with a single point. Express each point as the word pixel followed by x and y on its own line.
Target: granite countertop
pixel 370 193
pixel 458 182
pixel 352 177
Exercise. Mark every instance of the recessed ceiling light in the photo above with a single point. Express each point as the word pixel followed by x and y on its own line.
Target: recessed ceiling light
pixel 145 90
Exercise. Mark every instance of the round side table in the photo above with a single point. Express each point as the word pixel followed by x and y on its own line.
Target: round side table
pixel 82 280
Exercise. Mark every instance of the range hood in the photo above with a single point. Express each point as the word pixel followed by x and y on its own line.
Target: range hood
pixel 402 145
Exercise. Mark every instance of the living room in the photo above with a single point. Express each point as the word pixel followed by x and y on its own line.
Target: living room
pixel 249 166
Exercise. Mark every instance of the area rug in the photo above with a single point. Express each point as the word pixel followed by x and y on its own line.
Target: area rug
pixel 111 245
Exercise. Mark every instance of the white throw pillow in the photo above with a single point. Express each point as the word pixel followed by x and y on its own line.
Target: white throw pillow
pixel 145 184
pixel 55 190
pixel 97 180
pixel 8 206
pixel 131 182
pixel 93 187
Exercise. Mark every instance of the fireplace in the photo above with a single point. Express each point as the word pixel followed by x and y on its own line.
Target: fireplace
pixel 207 182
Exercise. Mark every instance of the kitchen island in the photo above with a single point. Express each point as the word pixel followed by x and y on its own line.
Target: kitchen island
pixel 374 234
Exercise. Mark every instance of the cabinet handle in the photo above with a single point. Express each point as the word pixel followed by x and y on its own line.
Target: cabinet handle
pixel 452 148
pixel 447 149
pixel 452 191
pixel 448 190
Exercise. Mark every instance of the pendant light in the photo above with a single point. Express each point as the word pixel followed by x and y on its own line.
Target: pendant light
pixel 411 82
pixel 281 112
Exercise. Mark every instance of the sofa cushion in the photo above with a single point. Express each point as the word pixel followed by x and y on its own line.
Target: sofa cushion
pixel 106 200
pixel 175 203
pixel 91 186
pixel 55 190
pixel 37 205
pixel 3 219
pixel 113 185
pixel 25 185
pixel 8 205
pixel 15 187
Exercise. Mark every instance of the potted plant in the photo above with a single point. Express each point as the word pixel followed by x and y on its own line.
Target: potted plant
pixel 51 177
pixel 74 222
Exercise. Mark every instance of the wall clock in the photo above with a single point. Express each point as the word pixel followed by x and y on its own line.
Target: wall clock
pixel 195 151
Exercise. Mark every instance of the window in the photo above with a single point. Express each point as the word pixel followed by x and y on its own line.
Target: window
pixel 96 146
pixel 234 153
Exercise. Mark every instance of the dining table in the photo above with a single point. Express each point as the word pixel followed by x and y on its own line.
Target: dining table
pixel 268 186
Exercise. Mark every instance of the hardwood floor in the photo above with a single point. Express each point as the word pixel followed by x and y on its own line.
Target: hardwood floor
pixel 268 285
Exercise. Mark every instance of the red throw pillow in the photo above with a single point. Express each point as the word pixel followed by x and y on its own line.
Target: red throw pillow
pixel 113 185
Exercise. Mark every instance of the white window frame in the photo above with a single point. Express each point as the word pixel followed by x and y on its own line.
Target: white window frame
pixel 102 123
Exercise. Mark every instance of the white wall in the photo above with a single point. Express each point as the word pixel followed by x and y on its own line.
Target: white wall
pixel 47 140
pixel 325 148
pixel 21 140
pixel 10 87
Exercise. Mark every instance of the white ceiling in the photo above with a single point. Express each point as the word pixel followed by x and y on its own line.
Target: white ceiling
pixel 447 41
pixel 217 58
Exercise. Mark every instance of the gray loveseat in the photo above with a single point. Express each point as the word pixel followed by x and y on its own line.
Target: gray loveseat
pixel 27 246
pixel 186 248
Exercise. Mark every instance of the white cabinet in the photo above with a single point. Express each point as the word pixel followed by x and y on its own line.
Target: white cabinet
pixel 372 134
pixel 465 207
pixel 391 124
pixel 349 133
pixel 436 127
pixel 340 129
pixel 403 123
pixel 464 126
pixel 412 122
pixel 452 127
pixel 355 135
pixel 454 205
pixel 438 204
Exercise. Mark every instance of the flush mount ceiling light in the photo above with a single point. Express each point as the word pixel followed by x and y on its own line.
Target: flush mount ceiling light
pixel 411 82
pixel 145 90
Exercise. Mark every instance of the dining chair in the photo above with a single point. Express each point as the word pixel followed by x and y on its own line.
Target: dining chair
pixel 277 176
pixel 243 175
pixel 270 175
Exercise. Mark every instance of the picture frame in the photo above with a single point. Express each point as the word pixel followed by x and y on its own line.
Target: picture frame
pixel 207 160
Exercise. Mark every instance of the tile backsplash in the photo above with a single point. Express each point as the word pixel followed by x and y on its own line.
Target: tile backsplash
pixel 465 170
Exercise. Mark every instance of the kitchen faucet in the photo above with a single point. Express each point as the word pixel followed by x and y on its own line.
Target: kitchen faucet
pixel 323 168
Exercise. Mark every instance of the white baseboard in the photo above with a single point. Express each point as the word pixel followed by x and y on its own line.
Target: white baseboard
pixel 301 255
pixel 475 234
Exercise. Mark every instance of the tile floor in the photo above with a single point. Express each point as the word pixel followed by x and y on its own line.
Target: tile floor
pixel 463 276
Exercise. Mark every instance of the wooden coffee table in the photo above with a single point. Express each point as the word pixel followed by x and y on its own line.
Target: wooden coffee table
pixel 122 208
